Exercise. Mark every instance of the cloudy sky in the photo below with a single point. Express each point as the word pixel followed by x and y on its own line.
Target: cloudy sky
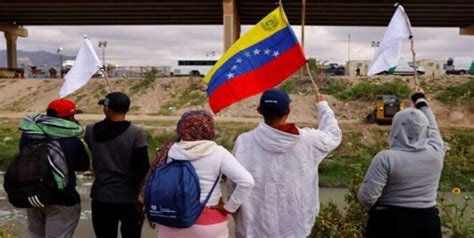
pixel 156 45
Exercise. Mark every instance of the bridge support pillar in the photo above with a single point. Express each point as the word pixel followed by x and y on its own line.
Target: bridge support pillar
pixel 12 32
pixel 11 49
pixel 231 23
pixel 467 30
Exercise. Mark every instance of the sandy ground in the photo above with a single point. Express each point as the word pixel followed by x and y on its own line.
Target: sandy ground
pixel 33 95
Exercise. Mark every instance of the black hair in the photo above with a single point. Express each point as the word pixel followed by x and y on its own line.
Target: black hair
pixel 119 111
pixel 270 115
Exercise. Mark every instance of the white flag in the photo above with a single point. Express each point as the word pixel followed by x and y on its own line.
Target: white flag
pixel 86 65
pixel 388 54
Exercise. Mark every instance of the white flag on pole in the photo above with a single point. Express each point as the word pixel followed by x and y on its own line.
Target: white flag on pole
pixel 388 54
pixel 86 65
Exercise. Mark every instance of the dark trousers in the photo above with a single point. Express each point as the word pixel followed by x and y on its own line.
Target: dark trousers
pixel 106 218
pixel 396 222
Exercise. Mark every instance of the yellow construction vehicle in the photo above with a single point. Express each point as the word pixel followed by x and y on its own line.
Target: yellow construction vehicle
pixel 385 108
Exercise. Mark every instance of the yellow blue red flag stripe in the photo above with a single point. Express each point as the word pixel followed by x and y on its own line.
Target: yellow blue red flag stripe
pixel 266 55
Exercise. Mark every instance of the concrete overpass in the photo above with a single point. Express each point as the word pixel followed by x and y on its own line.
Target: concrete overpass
pixel 230 13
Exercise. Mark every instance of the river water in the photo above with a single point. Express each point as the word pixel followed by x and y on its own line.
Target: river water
pixel 16 218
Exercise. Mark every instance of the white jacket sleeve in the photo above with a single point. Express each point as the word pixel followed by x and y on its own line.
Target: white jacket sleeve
pixel 240 177
pixel 328 135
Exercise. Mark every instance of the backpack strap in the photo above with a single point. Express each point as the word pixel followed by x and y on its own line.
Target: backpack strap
pixel 212 190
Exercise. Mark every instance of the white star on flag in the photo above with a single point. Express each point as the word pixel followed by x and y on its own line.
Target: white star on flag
pixel 256 51
pixel 247 54
pixel 239 60
pixel 276 53
pixel 234 67
pixel 267 51
pixel 230 75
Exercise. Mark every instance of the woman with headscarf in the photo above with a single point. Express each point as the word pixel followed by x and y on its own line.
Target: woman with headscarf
pixel 400 186
pixel 195 143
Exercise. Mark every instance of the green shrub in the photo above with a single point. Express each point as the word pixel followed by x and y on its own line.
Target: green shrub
pixel 458 170
pixel 333 86
pixel 191 96
pixel 456 218
pixel 366 90
pixel 8 230
pixel 332 222
pixel 462 92
pixel 289 86
pixel 146 82
pixel 9 139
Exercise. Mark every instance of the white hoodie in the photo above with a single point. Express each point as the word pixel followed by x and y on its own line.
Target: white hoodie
pixel 285 199
pixel 209 160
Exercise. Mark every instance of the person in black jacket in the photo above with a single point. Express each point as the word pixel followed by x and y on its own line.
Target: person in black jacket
pixel 120 159
pixel 61 216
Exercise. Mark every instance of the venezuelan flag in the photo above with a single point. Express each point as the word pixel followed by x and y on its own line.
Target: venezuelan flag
pixel 265 56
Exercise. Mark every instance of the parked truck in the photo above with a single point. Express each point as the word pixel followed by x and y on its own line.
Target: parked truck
pixel 404 67
pixel 460 66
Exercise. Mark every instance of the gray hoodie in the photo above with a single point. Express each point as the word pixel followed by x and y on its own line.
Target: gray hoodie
pixel 408 173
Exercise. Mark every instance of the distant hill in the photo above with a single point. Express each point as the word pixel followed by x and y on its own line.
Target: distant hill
pixel 37 58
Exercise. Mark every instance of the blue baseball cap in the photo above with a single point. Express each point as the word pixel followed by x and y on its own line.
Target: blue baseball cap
pixel 274 101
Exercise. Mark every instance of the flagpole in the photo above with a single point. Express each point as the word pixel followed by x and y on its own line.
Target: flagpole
pixel 312 80
pixel 303 19
pixel 107 78
pixel 414 56
pixel 306 64
pixel 412 43
pixel 102 69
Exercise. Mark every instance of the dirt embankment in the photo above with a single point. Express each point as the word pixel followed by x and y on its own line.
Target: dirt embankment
pixel 173 96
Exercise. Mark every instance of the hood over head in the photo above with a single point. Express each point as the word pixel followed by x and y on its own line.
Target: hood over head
pixel 191 150
pixel 274 140
pixel 409 130
pixel 38 126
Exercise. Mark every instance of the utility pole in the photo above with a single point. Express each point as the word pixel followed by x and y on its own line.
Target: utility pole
pixel 103 44
pixel 349 54
pixel 60 52
pixel 375 44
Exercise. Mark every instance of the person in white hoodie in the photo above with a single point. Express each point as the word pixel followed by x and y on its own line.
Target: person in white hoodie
pixel 195 143
pixel 283 159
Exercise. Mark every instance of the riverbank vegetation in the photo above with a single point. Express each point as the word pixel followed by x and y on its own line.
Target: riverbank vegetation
pixel 344 167
pixel 360 143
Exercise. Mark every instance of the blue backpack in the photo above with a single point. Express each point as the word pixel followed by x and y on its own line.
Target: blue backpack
pixel 172 195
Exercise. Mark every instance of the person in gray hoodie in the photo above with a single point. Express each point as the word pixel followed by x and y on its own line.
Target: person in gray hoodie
pixel 400 186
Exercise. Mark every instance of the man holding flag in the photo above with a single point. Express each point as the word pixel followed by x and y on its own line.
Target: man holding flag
pixel 282 158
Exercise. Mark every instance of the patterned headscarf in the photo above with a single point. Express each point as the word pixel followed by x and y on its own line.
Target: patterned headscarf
pixel 196 125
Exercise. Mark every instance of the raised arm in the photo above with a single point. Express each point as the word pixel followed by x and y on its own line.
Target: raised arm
pixel 328 135
pixel 435 139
